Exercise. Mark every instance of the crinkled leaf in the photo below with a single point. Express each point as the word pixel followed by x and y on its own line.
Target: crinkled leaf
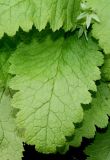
pixel 53 77
pixel 25 13
pixel 100 149
pixel 95 115
pixel 11 147
pixel 101 31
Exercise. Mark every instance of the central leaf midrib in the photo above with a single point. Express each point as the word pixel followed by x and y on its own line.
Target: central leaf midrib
pixel 52 90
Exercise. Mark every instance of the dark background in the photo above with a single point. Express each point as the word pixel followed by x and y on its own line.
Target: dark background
pixel 72 154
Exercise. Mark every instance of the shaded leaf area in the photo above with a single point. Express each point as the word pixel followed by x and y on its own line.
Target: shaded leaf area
pixel 95 115
pixel 100 148
pixel 10 43
pixel 72 154
pixel 106 69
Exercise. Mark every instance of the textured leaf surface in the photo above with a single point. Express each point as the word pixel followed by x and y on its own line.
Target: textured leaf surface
pixel 25 13
pixel 100 149
pixel 4 67
pixel 10 144
pixel 101 31
pixel 53 78
pixel 106 69
pixel 95 115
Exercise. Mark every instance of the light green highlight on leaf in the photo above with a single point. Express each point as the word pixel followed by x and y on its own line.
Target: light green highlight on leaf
pixel 25 13
pixel 101 31
pixel 11 146
pixel 53 78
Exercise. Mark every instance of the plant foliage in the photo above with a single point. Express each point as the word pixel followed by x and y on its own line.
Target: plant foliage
pixel 54 76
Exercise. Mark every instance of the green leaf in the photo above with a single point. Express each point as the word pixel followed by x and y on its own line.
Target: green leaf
pixel 101 31
pixel 95 115
pixel 53 78
pixel 4 67
pixel 11 147
pixel 100 149
pixel 25 13
pixel 105 71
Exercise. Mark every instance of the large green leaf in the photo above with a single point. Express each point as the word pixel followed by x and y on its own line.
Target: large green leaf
pixel 101 31
pixel 11 146
pixel 100 149
pixel 53 78
pixel 25 13
pixel 95 115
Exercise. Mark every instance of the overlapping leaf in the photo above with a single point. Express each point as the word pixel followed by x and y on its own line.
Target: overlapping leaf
pixel 106 69
pixel 11 147
pixel 101 31
pixel 100 149
pixel 4 66
pixel 25 13
pixel 53 77
pixel 95 115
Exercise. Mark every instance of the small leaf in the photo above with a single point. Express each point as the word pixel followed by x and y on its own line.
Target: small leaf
pixel 88 21
pixel 95 17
